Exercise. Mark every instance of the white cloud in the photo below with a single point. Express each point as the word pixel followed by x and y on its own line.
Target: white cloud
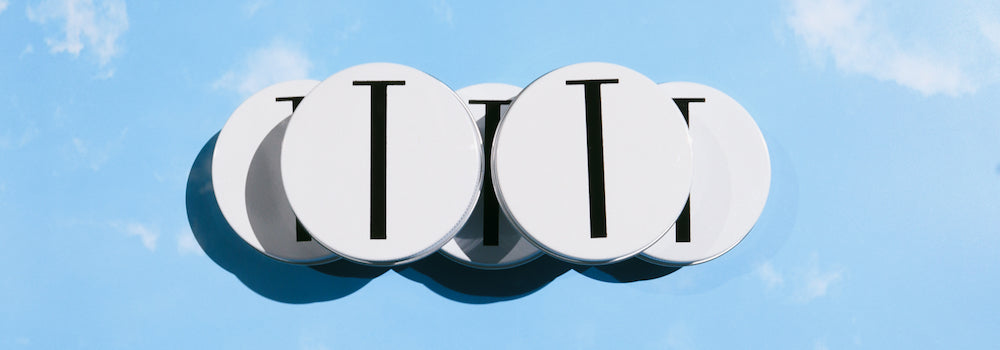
pixel 146 234
pixel 3 5
pixel 80 148
pixel 265 66
pixel 769 275
pixel 678 336
pixel 815 282
pixel 105 74
pixel 30 49
pixel 351 29
pixel 10 141
pixel 251 8
pixel 309 341
pixel 84 24
pixel 991 30
pixel 806 282
pixel 312 345
pixel 95 158
pixel 187 244
pixel 859 38
pixel 443 10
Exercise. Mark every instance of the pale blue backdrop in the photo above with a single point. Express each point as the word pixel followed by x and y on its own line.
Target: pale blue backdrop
pixel 882 230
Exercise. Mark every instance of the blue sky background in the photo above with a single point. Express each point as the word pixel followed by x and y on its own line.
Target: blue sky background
pixel 882 230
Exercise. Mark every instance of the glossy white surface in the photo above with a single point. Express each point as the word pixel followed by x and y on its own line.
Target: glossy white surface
pixel 732 176
pixel 540 164
pixel 434 164
pixel 246 176
pixel 468 247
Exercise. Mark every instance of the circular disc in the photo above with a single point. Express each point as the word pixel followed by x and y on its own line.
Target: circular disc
pixel 489 240
pixel 732 176
pixel 382 163
pixel 591 163
pixel 246 176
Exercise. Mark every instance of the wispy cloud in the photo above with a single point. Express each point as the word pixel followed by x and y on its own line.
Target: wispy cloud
pixel 990 27
pixel 816 282
pixel 443 11
pixel 311 343
pixel 251 7
pixel 678 336
pixel 3 189
pixel 274 63
pixel 84 25
pixel 350 30
pixel 147 235
pixel 95 157
pixel 807 282
pixel 769 276
pixel 860 40
pixel 106 74
pixel 30 49
pixel 3 5
pixel 187 244
pixel 9 141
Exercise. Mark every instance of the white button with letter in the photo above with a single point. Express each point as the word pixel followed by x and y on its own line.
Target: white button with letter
pixel 247 179
pixel 732 176
pixel 592 163
pixel 382 163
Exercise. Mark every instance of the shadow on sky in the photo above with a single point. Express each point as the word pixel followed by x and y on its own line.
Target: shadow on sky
pixel 476 286
pixel 270 278
pixel 631 270
pixel 296 284
pixel 776 222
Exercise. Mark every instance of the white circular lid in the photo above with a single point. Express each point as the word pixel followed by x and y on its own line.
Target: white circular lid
pixel 382 163
pixel 489 240
pixel 592 163
pixel 247 178
pixel 732 176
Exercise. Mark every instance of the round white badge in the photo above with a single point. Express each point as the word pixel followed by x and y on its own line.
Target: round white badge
pixel 382 163
pixel 247 179
pixel 732 176
pixel 592 163
pixel 489 240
